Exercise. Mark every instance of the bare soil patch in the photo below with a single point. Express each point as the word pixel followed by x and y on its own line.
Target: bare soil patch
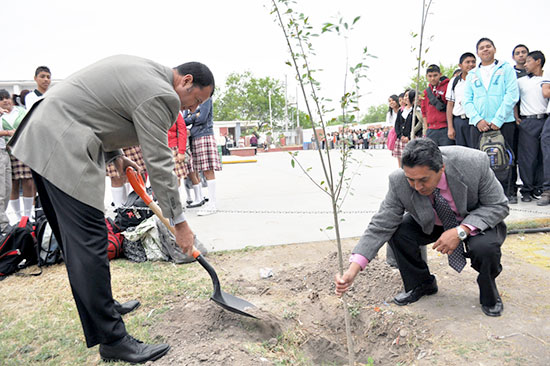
pixel 301 321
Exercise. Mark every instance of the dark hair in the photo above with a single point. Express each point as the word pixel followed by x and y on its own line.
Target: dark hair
pixel 40 69
pixel 22 96
pixel 402 95
pixel 537 55
pixel 519 46
pixel 412 94
pixel 422 152
pixel 202 76
pixel 433 68
pixel 465 55
pixel 484 39
pixel 4 94
pixel 395 98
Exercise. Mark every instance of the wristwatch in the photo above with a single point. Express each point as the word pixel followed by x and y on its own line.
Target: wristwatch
pixel 462 235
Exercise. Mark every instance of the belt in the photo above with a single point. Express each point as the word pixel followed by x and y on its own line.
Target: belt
pixel 536 116
pixel 462 116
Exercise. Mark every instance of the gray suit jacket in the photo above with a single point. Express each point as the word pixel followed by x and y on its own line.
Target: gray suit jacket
pixel 86 119
pixel 478 196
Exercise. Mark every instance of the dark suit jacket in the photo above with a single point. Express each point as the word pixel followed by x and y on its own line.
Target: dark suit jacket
pixel 478 196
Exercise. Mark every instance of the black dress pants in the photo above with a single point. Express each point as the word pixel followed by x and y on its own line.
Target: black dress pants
pixel 482 249
pixel 530 154
pixel 80 230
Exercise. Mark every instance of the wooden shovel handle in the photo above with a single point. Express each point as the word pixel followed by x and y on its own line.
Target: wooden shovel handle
pixel 139 187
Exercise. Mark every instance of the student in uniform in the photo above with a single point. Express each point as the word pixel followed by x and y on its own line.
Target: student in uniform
pixel 459 125
pixel 533 115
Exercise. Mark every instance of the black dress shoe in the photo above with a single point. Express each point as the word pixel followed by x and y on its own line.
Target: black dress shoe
pixel 415 294
pixel 131 350
pixel 127 306
pixel 512 199
pixel 495 310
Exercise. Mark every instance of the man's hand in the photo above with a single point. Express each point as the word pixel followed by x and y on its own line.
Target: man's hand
pixel 448 241
pixel 494 127
pixel 184 237
pixel 122 162
pixel 451 133
pixel 344 282
pixel 483 126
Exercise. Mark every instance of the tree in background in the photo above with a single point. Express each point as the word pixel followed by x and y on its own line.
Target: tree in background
pixel 375 114
pixel 246 98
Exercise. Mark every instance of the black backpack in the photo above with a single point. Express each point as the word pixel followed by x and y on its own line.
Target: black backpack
pixel 17 248
pixel 48 250
pixel 132 213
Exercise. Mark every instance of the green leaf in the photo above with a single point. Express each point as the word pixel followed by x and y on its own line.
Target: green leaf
pixel 292 163
pixel 329 227
pixel 356 19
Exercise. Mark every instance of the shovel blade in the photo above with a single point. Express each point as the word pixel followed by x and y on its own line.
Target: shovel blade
pixel 232 303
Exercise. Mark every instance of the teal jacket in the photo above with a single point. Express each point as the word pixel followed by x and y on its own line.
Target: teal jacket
pixel 496 104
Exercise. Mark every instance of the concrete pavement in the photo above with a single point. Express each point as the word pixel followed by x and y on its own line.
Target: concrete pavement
pixel 270 202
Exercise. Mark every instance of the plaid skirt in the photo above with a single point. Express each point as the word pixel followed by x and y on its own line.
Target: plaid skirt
pixel 133 153
pixel 205 154
pixel 182 169
pixel 398 149
pixel 19 170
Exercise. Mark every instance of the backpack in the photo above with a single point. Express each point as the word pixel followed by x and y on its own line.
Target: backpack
pixel 500 155
pixel 132 213
pixel 114 238
pixel 48 250
pixel 17 248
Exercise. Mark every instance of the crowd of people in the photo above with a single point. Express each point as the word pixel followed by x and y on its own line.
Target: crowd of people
pixel 355 138
pixel 485 95
pixel 444 193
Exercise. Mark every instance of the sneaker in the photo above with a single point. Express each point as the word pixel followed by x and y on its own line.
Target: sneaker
pixel 537 194
pixel 526 197
pixel 544 199
pixel 131 350
pixel 512 199
pixel 208 209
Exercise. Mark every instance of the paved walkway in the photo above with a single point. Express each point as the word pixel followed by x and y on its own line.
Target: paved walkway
pixel 270 202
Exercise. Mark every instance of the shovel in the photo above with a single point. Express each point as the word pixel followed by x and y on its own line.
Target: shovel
pixel 221 298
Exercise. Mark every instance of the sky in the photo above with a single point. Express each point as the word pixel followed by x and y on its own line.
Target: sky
pixel 242 35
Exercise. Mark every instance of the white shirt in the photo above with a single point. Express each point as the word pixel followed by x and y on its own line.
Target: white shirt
pixel 486 73
pixel 390 118
pixel 531 100
pixel 32 98
pixel 457 95
pixel 546 80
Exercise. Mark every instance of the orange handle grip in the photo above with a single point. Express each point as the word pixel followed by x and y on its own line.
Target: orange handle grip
pixel 138 185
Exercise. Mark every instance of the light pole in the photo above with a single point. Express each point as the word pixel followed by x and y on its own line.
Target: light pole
pixel 270 112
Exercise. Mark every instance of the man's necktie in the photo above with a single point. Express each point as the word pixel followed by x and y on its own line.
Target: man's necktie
pixel 457 261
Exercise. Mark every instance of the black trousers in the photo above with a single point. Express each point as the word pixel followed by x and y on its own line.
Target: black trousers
pixel 462 130
pixel 510 132
pixel 440 136
pixel 545 147
pixel 530 154
pixel 82 234
pixel 482 249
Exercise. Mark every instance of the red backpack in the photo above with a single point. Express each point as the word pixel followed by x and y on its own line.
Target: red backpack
pixel 114 248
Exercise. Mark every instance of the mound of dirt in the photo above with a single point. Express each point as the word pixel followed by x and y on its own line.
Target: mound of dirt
pixel 297 308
